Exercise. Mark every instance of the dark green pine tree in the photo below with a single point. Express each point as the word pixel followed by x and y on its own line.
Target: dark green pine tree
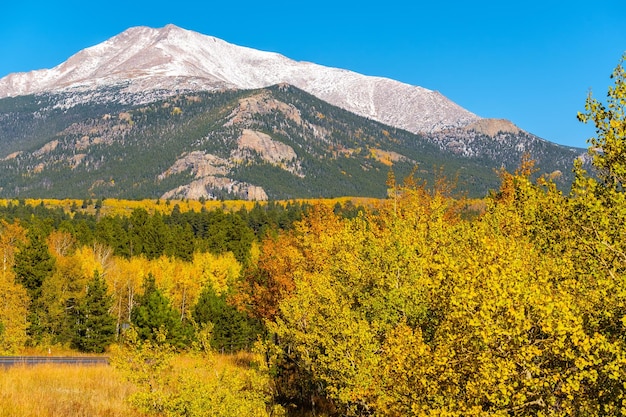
pixel 182 242
pixel 33 265
pixel 232 330
pixel 94 326
pixel 153 312
pixel 110 231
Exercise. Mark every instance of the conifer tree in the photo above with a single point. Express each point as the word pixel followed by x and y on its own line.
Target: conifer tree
pixel 153 313
pixel 33 264
pixel 232 330
pixel 94 326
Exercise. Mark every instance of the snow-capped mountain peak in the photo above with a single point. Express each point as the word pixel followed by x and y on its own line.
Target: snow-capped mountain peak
pixel 171 58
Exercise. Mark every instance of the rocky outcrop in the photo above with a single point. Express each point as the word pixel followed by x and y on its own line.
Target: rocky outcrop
pixel 491 127
pixel 200 164
pixel 252 143
pixel 206 188
pixel 261 104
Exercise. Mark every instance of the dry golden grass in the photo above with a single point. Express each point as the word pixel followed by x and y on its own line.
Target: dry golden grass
pixel 54 390
pixel 64 391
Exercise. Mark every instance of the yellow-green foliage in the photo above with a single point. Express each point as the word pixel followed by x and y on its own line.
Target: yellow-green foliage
pixel 608 148
pixel 415 311
pixel 112 206
pixel 199 383
pixel 13 297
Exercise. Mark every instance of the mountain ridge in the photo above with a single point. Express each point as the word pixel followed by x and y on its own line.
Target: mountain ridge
pixel 175 59
pixel 170 113
pixel 273 143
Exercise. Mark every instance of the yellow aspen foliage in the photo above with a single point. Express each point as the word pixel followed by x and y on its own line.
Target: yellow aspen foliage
pixel 221 272
pixel 185 290
pixel 67 283
pixel 14 302
pixel 87 261
pixel 124 281
pixel 415 311
pixel 181 282
pixel 61 243
pixel 12 235
pixel 608 148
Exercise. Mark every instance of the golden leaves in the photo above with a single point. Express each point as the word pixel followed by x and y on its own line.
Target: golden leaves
pixel 414 311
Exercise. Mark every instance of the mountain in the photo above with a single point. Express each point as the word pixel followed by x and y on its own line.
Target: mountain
pixel 169 113
pixel 173 59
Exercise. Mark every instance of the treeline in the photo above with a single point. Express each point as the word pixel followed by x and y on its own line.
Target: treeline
pixel 63 269
pixel 178 234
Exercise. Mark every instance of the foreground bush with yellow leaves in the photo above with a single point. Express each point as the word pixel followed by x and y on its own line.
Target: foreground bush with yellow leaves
pixel 197 383
pixel 415 310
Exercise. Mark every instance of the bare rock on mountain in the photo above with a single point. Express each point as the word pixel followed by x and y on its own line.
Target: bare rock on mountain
pixel 261 104
pixel 491 127
pixel 206 188
pixel 270 151
pixel 200 164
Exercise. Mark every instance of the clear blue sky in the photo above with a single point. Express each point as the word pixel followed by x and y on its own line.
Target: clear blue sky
pixel 532 62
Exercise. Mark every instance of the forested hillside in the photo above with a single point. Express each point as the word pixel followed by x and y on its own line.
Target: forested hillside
pixel 272 143
pixel 421 304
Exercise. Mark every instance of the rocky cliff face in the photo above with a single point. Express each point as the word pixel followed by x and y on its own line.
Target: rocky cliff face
pixel 491 127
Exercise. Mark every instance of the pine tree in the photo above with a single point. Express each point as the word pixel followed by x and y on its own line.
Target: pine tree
pixel 94 326
pixel 232 330
pixel 153 313
pixel 33 264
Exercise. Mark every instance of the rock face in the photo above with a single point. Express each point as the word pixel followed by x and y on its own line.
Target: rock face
pixel 143 60
pixel 200 164
pixel 491 127
pixel 269 150
pixel 200 189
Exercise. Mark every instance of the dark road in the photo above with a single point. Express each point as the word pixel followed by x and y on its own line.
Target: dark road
pixel 7 361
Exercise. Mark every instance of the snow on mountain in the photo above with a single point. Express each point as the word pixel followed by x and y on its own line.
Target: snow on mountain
pixel 143 59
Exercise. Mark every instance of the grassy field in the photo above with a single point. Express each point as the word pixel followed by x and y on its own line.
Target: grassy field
pixel 216 385
pixel 64 391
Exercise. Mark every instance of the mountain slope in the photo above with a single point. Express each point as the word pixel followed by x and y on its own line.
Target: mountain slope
pixel 171 113
pixel 173 59
pixel 278 142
